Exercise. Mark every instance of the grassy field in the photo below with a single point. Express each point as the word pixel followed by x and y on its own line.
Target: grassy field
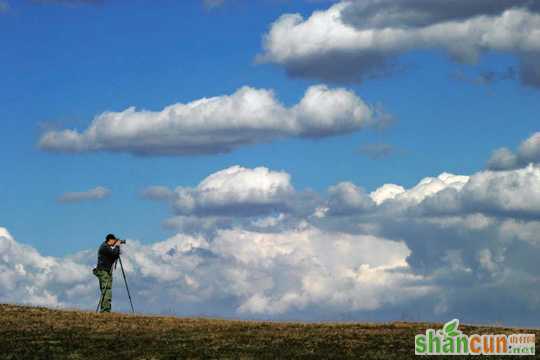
pixel 39 333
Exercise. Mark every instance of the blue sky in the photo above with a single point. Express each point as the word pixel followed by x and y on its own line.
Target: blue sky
pixel 63 65
pixel 297 210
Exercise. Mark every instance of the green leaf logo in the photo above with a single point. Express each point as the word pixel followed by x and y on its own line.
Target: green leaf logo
pixel 450 329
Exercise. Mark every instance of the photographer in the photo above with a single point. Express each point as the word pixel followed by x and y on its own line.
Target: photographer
pixel 108 253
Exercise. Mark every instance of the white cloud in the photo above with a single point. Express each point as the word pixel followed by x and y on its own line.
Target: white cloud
pixel 332 45
pixel 380 14
pixel 386 192
pixel 528 152
pixel 261 273
pixel 236 190
pixel 218 124
pixel 346 197
pixel 502 159
pixel 430 186
pixel 449 246
pixel 522 230
pixel 511 192
pixel 97 193
pixel 28 277
pixel 463 232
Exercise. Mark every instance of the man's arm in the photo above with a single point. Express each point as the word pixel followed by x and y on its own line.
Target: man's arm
pixel 111 252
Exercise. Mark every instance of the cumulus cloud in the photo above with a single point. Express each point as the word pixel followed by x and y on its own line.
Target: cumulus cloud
pixel 505 193
pixel 355 40
pixel 237 273
pixel 255 199
pixel 97 193
pixel 451 245
pixel 27 276
pixel 420 13
pixel 464 232
pixel 426 188
pixel 236 191
pixel 346 197
pixel 528 152
pixel 218 124
pixel 510 194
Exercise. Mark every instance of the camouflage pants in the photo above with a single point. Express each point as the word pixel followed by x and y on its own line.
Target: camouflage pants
pixel 105 286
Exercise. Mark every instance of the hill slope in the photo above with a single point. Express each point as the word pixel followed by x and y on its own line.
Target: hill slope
pixel 30 332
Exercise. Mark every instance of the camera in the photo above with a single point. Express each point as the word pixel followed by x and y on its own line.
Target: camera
pixel 122 241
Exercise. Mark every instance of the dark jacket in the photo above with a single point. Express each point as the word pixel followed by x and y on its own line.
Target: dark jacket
pixel 107 255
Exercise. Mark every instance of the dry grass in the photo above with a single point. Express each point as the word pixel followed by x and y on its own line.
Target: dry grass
pixel 39 333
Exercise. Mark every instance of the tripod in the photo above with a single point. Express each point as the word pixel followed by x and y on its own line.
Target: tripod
pixel 125 282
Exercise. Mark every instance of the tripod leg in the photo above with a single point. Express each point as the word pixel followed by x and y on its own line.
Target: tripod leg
pixel 125 281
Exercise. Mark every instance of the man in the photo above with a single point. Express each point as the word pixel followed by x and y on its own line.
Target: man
pixel 108 253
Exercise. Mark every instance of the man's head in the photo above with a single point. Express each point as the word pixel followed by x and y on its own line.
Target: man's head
pixel 111 239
